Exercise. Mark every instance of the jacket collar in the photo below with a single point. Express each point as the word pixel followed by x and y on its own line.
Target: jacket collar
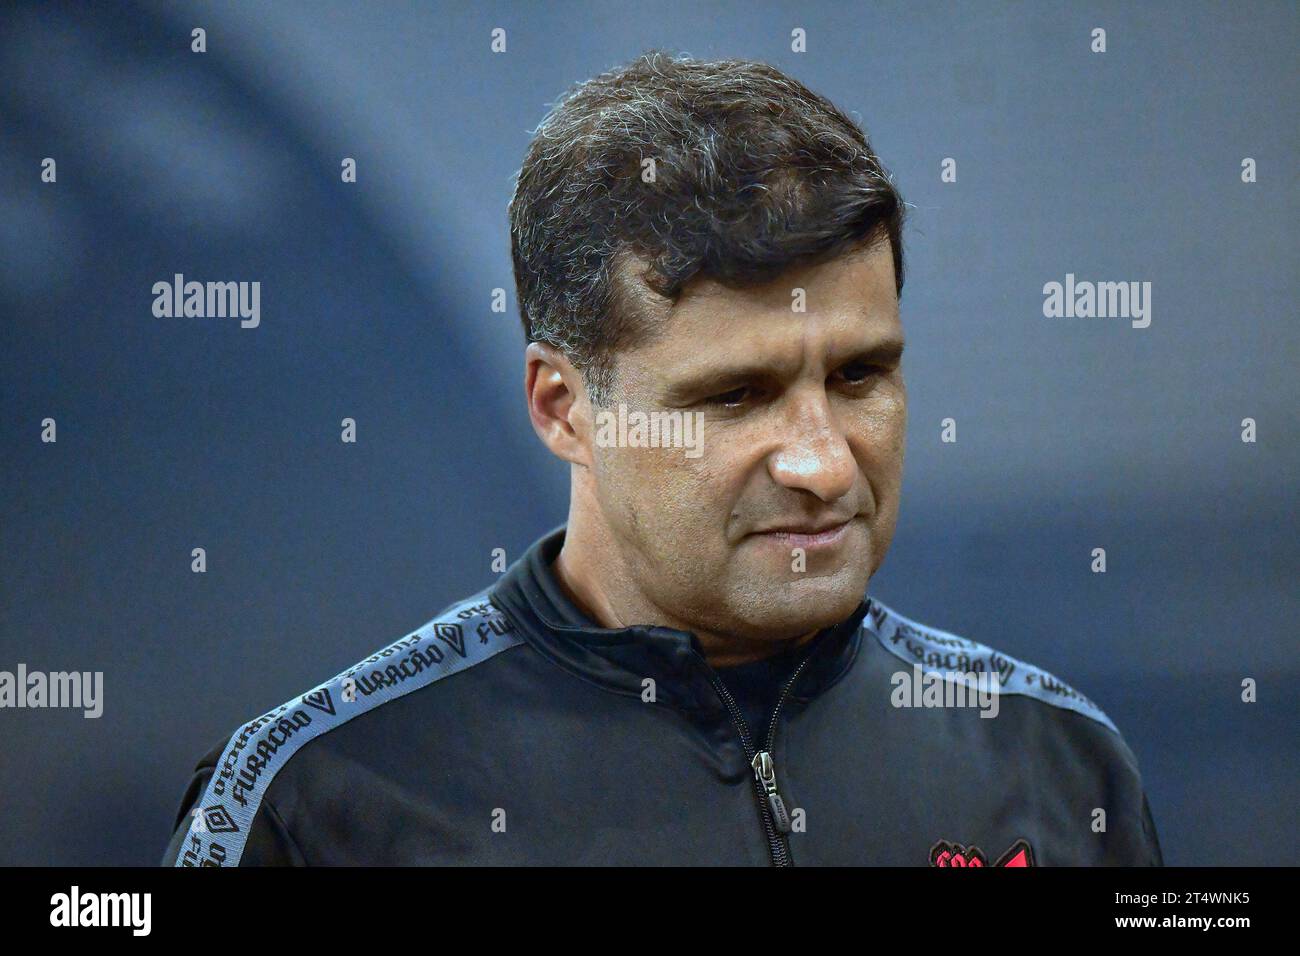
pixel 620 659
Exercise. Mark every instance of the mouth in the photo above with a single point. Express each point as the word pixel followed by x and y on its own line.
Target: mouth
pixel 808 536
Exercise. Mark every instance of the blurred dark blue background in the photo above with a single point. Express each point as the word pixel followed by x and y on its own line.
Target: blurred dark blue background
pixel 376 305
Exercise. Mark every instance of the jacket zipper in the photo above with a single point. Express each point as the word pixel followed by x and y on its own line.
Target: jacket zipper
pixel 771 808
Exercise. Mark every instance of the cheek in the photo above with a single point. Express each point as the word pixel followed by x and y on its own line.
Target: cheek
pixel 880 427
pixel 729 471
pixel 653 487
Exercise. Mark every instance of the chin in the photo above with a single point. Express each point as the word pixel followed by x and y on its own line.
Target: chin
pixel 827 600
pixel 791 608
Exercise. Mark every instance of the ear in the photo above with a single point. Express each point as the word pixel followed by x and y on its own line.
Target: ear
pixel 557 403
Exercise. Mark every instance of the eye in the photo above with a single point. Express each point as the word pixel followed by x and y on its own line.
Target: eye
pixel 859 373
pixel 732 399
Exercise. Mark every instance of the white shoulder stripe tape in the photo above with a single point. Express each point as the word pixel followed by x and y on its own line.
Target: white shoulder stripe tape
pixel 935 650
pixel 466 634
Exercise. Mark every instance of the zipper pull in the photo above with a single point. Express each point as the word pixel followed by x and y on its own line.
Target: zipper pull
pixel 765 771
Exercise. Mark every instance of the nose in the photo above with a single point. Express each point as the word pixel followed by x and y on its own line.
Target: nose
pixel 814 454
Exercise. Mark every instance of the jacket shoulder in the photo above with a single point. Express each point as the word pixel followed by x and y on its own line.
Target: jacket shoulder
pixel 1100 760
pixel 237 773
pixel 934 650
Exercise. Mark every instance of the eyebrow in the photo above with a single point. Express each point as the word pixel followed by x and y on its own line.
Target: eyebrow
pixel 886 352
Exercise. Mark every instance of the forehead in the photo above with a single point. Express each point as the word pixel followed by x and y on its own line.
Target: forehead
pixel 848 303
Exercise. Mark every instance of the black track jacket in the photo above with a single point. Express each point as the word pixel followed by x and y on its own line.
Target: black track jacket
pixel 508 730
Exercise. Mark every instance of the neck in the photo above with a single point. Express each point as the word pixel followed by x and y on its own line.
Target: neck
pixel 591 570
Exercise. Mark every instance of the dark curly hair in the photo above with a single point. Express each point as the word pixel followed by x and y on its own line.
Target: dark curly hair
pixel 753 172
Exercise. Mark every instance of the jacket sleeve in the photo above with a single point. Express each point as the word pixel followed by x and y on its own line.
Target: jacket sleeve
pixel 1136 843
pixel 1093 769
pixel 269 841
pixel 1155 857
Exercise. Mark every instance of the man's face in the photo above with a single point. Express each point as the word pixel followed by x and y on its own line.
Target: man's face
pixel 776 528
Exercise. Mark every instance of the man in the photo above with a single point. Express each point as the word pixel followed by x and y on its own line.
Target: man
pixel 709 261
